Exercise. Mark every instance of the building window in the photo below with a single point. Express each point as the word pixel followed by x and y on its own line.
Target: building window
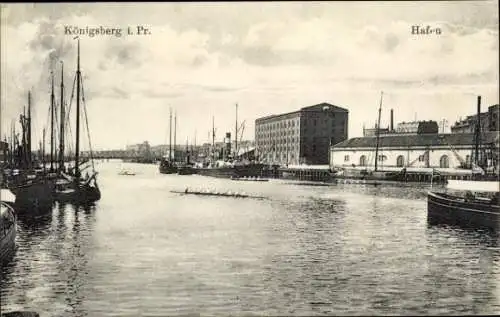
pixel 444 162
pixel 400 161
pixel 346 158
pixel 421 158
pixel 382 158
pixel 362 160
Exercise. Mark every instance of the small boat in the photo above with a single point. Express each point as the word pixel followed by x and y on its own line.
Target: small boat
pixel 207 193
pixel 249 179
pixel 126 173
pixel 7 229
pixel 21 314
pixel 475 204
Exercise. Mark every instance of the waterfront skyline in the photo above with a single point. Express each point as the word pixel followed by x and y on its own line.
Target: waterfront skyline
pixel 202 58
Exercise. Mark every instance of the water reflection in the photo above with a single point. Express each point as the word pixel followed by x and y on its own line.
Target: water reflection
pixel 34 226
pixel 59 245
pixel 463 270
pixel 307 250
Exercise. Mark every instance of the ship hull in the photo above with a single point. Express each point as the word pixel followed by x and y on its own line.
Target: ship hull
pixel 82 195
pixel 253 170
pixel 8 232
pixel 374 176
pixel 186 170
pixel 443 208
pixel 168 170
pixel 35 197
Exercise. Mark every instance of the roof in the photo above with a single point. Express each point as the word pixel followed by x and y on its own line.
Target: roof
pixel 417 140
pixel 317 107
pixel 320 106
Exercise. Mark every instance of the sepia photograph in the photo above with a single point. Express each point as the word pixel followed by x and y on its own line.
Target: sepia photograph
pixel 274 158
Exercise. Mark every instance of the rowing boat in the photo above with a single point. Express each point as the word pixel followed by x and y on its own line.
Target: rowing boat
pixel 201 193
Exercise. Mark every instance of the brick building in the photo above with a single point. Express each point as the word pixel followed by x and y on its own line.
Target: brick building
pixel 302 136
pixel 489 122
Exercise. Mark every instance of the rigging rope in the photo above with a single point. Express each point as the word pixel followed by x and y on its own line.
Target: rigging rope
pixel 68 125
pixel 87 124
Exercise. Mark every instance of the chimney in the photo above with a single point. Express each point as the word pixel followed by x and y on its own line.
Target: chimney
pixel 478 106
pixel 391 128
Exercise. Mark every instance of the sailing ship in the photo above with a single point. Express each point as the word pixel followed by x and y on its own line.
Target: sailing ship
pixel 376 173
pixel 8 229
pixel 226 168
pixel 167 166
pixel 472 203
pixel 33 192
pixel 72 187
pixel 186 167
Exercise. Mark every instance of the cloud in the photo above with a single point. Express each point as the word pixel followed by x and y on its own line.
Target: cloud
pixel 268 58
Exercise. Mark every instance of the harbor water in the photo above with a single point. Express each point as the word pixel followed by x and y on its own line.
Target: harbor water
pixel 305 250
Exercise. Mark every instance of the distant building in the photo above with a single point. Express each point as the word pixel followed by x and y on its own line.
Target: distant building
pixel 468 125
pixel 412 127
pixel 488 121
pixel 417 127
pixel 140 151
pixel 494 118
pixel 373 131
pixel 430 150
pixel 302 136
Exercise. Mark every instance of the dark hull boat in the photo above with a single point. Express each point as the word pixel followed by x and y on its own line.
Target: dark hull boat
pixel 82 194
pixel 370 175
pixel 249 179
pixel 34 196
pixel 8 231
pixel 78 192
pixel 237 171
pixel 186 170
pixel 455 210
pixel 167 167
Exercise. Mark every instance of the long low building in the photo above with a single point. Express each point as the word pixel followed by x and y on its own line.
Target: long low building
pixel 445 151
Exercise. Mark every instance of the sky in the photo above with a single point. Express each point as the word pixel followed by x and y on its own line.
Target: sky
pixel 201 59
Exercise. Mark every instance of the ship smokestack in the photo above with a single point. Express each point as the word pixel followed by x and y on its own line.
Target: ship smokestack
pixel 391 128
pixel 478 105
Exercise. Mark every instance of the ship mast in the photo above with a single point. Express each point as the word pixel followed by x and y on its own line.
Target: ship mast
pixel 52 115
pixel 477 132
pixel 43 150
pixel 61 127
pixel 175 134
pixel 77 146
pixel 236 134
pixel 213 138
pixel 170 138
pixel 378 131
pixel 29 130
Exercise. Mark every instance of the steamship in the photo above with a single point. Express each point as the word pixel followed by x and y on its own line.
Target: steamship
pixel 230 166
